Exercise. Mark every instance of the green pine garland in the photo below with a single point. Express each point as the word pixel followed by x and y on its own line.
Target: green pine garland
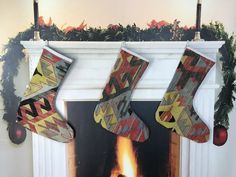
pixel 224 104
pixel 214 31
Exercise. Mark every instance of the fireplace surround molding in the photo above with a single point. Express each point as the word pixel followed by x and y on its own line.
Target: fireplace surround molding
pixel 92 64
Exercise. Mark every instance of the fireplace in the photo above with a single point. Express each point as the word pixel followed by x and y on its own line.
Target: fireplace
pixel 97 152
pixel 84 84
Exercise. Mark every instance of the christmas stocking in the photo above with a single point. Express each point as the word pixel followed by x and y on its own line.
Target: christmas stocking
pixel 176 110
pixel 114 112
pixel 36 111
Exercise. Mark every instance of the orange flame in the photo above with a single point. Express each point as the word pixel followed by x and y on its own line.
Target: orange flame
pixel 126 159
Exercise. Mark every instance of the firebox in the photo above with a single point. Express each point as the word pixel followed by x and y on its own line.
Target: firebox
pixel 99 153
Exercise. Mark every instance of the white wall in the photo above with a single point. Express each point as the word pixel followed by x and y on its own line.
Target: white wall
pixel 15 160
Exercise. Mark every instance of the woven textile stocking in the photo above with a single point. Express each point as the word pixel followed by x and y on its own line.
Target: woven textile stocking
pixel 176 109
pixel 36 111
pixel 114 112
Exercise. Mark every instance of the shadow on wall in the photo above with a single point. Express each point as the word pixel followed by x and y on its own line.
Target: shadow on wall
pixel 1 101
pixel 16 160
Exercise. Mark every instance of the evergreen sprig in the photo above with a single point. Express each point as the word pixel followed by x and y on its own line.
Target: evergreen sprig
pixel 224 104
pixel 213 31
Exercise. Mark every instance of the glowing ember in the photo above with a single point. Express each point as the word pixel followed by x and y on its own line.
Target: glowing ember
pixel 126 159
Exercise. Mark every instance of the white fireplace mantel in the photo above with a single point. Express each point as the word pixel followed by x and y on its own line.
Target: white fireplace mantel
pixel 93 62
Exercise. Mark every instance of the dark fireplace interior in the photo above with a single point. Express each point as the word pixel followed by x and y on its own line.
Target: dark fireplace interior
pixel 95 148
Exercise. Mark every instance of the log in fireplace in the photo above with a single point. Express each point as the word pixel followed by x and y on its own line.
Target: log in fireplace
pixel 93 62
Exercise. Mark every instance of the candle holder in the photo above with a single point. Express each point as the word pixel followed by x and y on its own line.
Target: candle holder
pixel 197 36
pixel 37 36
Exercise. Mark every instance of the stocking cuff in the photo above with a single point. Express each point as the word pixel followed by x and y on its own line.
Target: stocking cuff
pixel 134 54
pixel 201 54
pixel 52 51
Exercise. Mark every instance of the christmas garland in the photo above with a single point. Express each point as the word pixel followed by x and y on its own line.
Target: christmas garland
pixel 156 31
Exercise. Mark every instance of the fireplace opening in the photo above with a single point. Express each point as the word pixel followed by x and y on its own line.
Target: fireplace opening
pixel 99 153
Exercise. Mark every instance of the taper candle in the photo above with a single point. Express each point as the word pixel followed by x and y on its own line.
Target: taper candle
pixel 36 15
pixel 198 20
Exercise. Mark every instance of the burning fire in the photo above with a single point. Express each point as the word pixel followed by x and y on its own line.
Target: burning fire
pixel 126 159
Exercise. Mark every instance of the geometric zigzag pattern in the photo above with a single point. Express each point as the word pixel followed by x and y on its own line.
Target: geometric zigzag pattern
pixel 36 111
pixel 176 110
pixel 113 111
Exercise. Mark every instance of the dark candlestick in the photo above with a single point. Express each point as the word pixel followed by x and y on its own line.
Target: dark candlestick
pixel 36 15
pixel 197 36
pixel 198 20
pixel 36 22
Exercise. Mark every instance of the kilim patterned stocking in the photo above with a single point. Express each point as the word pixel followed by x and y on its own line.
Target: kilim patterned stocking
pixel 36 111
pixel 114 112
pixel 176 109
